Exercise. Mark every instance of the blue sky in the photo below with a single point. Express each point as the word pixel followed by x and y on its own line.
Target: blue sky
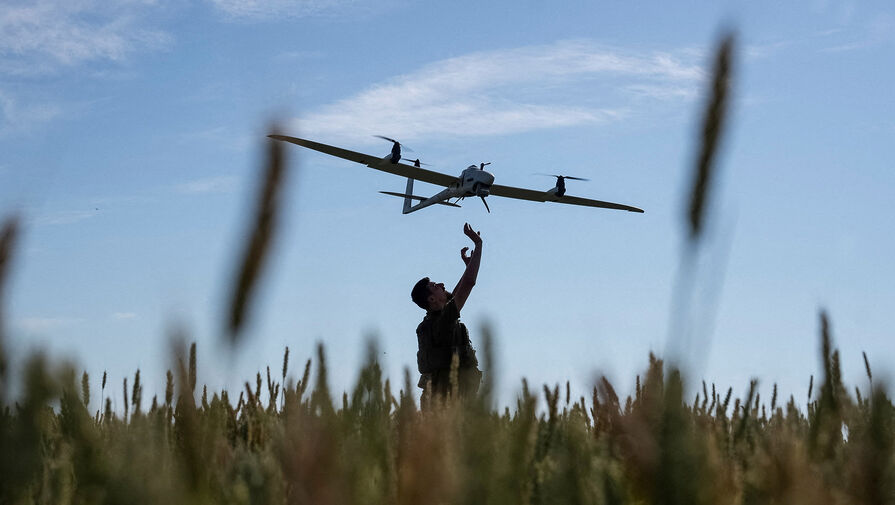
pixel 131 133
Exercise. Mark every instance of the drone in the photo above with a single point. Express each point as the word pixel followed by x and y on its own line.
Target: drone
pixel 474 181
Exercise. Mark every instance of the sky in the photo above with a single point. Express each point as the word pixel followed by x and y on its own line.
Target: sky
pixel 132 135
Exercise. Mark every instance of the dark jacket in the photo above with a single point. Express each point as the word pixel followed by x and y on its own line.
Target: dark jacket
pixel 440 336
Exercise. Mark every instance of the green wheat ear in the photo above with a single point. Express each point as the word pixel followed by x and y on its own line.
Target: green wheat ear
pixel 192 370
pixel 85 389
pixel 714 119
pixel 259 238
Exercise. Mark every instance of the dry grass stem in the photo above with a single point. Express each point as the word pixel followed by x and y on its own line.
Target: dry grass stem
pixel 260 237
pixel 712 127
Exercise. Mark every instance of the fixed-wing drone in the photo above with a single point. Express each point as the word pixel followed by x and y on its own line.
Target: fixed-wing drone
pixel 473 181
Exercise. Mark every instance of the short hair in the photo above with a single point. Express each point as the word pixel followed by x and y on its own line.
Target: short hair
pixel 420 293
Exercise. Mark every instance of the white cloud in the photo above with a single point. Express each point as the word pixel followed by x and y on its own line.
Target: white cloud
pixel 43 324
pixel 662 92
pixel 220 184
pixel 765 49
pixel 65 217
pixel 506 91
pixel 38 36
pixel 105 202
pixel 278 9
pixel 124 315
pixel 850 46
pixel 15 117
pixel 292 56
pixel 879 30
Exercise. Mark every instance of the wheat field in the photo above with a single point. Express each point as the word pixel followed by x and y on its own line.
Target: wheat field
pixel 286 441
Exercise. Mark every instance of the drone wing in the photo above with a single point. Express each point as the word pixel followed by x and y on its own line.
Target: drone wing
pixel 545 196
pixel 383 164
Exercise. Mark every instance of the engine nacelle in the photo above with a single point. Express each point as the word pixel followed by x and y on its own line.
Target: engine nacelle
pixel 396 153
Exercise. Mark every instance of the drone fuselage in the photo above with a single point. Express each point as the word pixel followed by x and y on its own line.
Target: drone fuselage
pixel 472 182
pixel 475 182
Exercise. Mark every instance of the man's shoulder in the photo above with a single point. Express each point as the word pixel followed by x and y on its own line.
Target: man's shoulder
pixel 425 325
pixel 450 309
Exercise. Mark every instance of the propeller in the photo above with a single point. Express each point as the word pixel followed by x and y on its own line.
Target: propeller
pixel 561 182
pixel 393 141
pixel 564 177
pixel 416 162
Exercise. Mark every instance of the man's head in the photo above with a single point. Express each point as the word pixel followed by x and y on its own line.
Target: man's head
pixel 429 295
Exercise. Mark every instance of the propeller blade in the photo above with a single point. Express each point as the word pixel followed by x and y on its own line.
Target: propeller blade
pixel 416 161
pixel 563 176
pixel 486 204
pixel 386 138
pixel 383 137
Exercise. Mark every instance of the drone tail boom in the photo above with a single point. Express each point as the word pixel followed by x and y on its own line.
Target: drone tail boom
pixel 409 197
pixel 417 198
pixel 408 191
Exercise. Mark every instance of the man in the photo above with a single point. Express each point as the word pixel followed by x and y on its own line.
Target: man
pixel 441 336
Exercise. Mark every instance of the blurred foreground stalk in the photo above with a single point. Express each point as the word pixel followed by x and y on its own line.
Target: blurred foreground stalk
pixel 8 234
pixel 713 123
pixel 259 239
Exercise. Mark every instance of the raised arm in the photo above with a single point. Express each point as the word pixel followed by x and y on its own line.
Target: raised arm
pixel 467 280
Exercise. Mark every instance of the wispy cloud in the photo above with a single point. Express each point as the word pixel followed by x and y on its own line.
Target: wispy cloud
pixel 219 184
pixel 17 117
pixel 292 56
pixel 39 36
pixel 848 46
pixel 101 203
pixel 43 324
pixel 223 137
pixel 880 29
pixel 260 10
pixel 507 91
pixel 122 316
pixel 765 49
pixel 65 217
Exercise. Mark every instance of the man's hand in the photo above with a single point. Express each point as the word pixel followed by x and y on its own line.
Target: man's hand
pixel 476 239
pixel 472 234
pixel 467 281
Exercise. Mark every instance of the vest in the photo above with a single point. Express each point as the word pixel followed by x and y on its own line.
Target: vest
pixel 440 336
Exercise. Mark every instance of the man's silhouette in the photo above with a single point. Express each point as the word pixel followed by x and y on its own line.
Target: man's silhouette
pixel 441 335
